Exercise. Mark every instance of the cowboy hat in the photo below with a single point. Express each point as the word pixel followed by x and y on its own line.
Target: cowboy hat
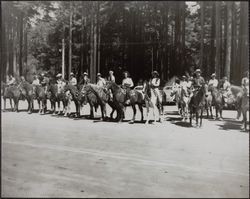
pixel 184 76
pixel 59 75
pixel 99 74
pixel 42 74
pixel 126 72
pixel 213 75
pixel 155 72
pixel 85 73
pixel 71 73
pixel 198 71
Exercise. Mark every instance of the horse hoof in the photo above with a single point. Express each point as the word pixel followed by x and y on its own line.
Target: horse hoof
pixel 131 122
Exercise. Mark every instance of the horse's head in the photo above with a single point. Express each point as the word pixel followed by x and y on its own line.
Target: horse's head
pixel 204 88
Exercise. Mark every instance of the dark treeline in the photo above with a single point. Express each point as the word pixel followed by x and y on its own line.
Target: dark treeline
pixel 138 36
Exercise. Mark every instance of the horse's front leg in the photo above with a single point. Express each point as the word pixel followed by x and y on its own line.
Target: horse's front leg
pixel 134 113
pixel 141 110
pixel 58 107
pixel 201 114
pixel 11 104
pixel 39 105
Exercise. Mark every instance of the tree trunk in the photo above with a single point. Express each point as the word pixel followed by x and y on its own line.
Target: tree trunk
pixel 21 44
pixel 212 39
pixel 218 39
pixel 229 38
pixel 202 36
pixel 233 66
pixel 70 40
pixel 243 40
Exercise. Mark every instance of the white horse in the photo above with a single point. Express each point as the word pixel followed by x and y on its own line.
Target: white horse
pixel 151 101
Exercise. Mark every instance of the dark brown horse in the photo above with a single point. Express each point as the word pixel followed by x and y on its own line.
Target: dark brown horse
pixel 119 99
pixel 197 104
pixel 41 98
pixel 95 96
pixel 7 94
pixel 56 96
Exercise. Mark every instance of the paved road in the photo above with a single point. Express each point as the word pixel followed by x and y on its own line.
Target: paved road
pixel 53 156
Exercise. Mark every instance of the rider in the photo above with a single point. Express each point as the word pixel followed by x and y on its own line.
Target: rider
pixel 184 84
pixel 213 81
pixel 11 81
pixel 35 83
pixel 72 79
pixel 44 82
pixel 226 87
pixel 245 82
pixel 100 81
pixel 155 84
pixel 127 83
pixel 60 82
pixel 111 76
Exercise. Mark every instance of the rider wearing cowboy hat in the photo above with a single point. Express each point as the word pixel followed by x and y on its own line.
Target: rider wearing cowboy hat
pixel 100 81
pixel 198 79
pixel 213 81
pixel 72 79
pixel 44 81
pixel 155 84
pixel 127 83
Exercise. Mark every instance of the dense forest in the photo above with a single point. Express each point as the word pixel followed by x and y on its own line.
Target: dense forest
pixel 172 37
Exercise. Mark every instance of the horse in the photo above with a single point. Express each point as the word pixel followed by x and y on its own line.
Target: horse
pixel 56 96
pixel 151 101
pixel 95 96
pixel 209 104
pixel 12 92
pixel 233 100
pixel 27 91
pixel 176 91
pixel 72 93
pixel 197 104
pixel 41 98
pixel 7 94
pixel 119 99
pixel 182 100
pixel 217 100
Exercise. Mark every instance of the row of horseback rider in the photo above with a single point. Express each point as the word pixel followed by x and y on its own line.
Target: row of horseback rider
pixel 190 84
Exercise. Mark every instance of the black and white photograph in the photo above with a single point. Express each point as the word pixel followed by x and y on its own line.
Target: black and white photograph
pixel 124 99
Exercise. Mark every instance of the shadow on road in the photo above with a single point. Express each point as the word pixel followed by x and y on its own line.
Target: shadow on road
pixel 229 124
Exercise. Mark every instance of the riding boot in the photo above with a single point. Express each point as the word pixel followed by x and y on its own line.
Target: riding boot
pixel 127 96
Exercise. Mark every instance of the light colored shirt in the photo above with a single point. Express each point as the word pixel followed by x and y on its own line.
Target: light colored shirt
pixel 127 82
pixel 111 78
pixel 189 84
pixel 155 82
pixel 36 82
pixel 73 81
pixel 213 82
pixel 245 82
pixel 226 85
pixel 101 82
pixel 11 81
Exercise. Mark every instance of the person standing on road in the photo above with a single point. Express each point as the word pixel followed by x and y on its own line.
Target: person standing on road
pixel 127 84
pixel 155 84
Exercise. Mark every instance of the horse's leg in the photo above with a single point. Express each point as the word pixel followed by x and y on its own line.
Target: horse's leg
pixel 91 111
pixel 201 114
pixel 11 104
pixel 196 117
pixel 4 100
pixel 141 109
pixel 17 105
pixel 190 118
pixel 211 112
pixel 134 113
